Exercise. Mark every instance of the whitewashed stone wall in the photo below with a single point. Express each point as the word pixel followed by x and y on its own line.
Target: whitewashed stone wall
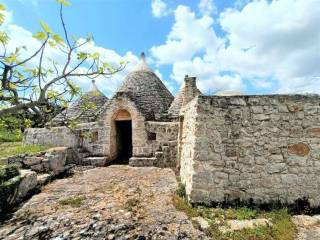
pixel 252 148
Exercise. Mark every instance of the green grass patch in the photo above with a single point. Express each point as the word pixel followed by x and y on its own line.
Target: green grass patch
pixel 72 201
pixel 9 149
pixel 282 227
pixel 10 136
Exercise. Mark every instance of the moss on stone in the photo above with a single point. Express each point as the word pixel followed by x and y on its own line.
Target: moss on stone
pixel 7 172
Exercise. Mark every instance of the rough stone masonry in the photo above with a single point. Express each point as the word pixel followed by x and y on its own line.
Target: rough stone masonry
pixel 259 148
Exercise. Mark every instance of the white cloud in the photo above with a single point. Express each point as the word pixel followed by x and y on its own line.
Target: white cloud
pixel 278 40
pixel 272 44
pixel 159 8
pixel 189 36
pixel 207 7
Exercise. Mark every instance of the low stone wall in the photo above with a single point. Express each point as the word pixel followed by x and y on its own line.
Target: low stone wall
pixel 56 136
pixel 93 137
pixel 164 144
pixel 253 148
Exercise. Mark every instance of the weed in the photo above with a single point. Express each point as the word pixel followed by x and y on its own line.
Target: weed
pixel 282 227
pixel 72 201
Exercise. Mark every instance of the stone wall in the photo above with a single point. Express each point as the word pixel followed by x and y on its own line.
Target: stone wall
pixel 56 136
pixel 252 148
pixel 93 137
pixel 163 137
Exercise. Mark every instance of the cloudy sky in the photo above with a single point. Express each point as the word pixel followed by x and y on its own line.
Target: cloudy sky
pixel 255 47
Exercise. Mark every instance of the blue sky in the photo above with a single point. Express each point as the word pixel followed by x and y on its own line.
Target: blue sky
pixel 253 47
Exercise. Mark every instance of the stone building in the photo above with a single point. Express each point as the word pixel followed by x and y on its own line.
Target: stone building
pixel 226 147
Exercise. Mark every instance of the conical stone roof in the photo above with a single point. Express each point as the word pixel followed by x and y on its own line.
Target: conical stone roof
pixel 144 87
pixel 86 109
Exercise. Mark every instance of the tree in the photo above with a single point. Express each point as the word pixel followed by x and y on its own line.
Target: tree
pixel 47 87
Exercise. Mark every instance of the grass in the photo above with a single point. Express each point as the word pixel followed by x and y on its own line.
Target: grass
pixel 14 148
pixel 72 201
pixel 10 136
pixel 282 227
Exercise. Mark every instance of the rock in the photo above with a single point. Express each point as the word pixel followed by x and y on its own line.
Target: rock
pixel 300 149
pixel 95 161
pixel 306 221
pixel 201 222
pixel 43 179
pixel 277 168
pixel 57 159
pixel 29 161
pixel 27 184
pixel 236 225
pixel 37 168
pixel 308 227
pixel 314 132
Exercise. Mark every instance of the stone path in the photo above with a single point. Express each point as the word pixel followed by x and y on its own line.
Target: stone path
pixel 117 202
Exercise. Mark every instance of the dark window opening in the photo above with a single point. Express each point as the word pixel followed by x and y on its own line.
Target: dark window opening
pixel 124 141
pixel 152 136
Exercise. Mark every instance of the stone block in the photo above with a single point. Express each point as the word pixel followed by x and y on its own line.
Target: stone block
pixel 32 160
pixel 299 149
pixel 277 168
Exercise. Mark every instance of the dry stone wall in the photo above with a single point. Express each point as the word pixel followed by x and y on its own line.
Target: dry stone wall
pixel 164 144
pixel 252 148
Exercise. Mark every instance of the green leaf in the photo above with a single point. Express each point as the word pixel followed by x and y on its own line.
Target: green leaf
pixel 2 7
pixel 95 55
pixel 52 43
pixel 11 59
pixel 58 39
pixel 4 37
pixel 64 3
pixel 40 36
pixel 82 55
pixel 45 27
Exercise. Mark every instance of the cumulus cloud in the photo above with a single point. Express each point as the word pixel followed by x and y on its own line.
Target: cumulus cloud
pixel 207 7
pixel 278 40
pixel 189 36
pixel 271 44
pixel 159 8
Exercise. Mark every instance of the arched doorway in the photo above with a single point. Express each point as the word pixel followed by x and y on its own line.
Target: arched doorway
pixel 123 126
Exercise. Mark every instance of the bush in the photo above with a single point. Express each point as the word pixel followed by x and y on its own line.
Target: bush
pixel 10 136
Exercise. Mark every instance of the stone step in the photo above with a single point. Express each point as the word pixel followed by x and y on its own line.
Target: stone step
pixel 94 161
pixel 142 161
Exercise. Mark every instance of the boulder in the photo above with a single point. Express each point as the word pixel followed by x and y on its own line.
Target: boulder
pixel 57 159
pixel 32 160
pixel 27 183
